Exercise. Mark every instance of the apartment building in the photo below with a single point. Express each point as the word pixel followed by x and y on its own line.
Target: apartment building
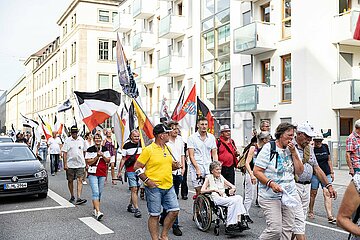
pixel 82 58
pixel 296 61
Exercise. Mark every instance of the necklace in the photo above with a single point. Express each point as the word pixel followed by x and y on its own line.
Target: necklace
pixel 163 149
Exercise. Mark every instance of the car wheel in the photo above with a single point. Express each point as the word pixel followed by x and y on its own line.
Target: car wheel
pixel 42 195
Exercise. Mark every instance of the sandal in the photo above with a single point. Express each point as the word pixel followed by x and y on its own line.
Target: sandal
pixel 311 215
pixel 331 220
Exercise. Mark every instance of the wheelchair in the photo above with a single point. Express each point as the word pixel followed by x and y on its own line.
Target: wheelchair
pixel 206 212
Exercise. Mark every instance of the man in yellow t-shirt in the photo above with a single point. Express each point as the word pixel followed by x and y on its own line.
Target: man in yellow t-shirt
pixel 157 177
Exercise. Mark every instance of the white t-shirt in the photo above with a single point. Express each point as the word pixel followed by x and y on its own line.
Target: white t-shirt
pixel 177 149
pixel 75 149
pixel 202 149
pixel 54 145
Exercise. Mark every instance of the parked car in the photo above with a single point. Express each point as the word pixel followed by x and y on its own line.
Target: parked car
pixel 6 139
pixel 21 173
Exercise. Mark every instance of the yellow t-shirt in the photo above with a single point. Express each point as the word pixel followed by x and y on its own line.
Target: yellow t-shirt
pixel 158 165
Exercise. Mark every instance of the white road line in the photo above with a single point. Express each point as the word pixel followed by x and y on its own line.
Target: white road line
pixel 31 209
pixel 329 228
pixel 96 225
pixel 59 199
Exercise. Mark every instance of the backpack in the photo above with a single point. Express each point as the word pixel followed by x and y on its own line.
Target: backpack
pixel 242 160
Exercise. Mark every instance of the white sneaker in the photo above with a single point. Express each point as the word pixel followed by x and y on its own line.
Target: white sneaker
pixel 99 216
pixel 84 182
pixel 94 212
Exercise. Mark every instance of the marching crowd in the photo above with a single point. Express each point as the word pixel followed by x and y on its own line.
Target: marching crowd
pixel 281 173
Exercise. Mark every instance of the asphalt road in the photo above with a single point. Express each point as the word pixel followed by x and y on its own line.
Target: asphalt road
pixel 54 218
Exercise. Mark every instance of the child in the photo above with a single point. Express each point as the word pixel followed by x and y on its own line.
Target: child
pixel 216 184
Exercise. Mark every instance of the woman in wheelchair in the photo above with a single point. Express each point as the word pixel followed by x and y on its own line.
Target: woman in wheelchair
pixel 216 184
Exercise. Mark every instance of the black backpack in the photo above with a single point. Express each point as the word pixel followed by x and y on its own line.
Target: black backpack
pixel 273 152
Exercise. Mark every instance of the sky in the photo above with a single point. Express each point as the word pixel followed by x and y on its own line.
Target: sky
pixel 25 27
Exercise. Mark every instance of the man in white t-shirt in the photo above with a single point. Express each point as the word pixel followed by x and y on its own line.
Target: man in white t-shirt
pixel 202 151
pixel 55 145
pixel 74 163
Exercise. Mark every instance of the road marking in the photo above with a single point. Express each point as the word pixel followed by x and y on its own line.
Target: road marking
pixel 328 228
pixel 59 199
pixel 31 209
pixel 96 225
pixel 56 197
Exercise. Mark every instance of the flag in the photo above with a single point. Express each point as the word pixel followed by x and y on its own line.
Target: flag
pixel 357 29
pixel 164 110
pixel 58 127
pixel 178 106
pixel 126 76
pixel 96 107
pixel 143 121
pixel 27 122
pixel 46 128
pixel 203 111
pixel 65 106
pixel 187 114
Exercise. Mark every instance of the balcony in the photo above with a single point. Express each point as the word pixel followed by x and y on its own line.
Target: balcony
pixel 172 26
pixel 171 66
pixel 254 38
pixel 343 28
pixel 143 9
pixel 125 23
pixel 143 41
pixel 146 75
pixel 346 94
pixel 255 98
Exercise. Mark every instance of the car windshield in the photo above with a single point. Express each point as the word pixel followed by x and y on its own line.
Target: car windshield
pixel 5 139
pixel 15 153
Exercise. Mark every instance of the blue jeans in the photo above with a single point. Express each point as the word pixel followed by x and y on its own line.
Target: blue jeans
pixel 97 186
pixel 43 153
pixel 157 197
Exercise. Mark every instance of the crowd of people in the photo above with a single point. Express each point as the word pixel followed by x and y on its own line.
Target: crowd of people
pixel 282 174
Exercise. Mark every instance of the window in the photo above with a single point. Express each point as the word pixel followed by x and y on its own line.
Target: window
pixel 179 46
pixel 246 17
pixel 265 12
pixel 103 50
pixel 64 29
pixel 104 16
pixel 190 52
pixel 179 9
pixel 103 81
pixel 344 6
pixel 247 74
pixel 285 120
pixel 64 59
pixel 286 19
pixel 56 93
pixel 64 89
pixel 208 46
pixel 113 50
pixel 56 68
pixel 150 99
pixel 52 71
pixel 73 52
pixel 265 65
pixel 189 16
pixel 286 78
pixel 150 60
pixel 158 97
pixel 114 15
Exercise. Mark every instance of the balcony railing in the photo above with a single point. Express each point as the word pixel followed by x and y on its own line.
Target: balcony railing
pixel 343 28
pixel 254 38
pixel 125 23
pixel 172 26
pixel 345 94
pixel 143 41
pixel 145 75
pixel 143 9
pixel 171 66
pixel 255 98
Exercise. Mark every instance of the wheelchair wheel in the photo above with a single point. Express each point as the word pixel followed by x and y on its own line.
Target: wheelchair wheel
pixel 202 213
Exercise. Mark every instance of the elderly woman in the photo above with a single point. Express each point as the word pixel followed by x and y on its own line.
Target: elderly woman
pixel 275 172
pixel 349 205
pixel 216 184
pixel 97 157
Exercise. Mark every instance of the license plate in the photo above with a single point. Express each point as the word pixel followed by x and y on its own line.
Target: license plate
pixel 15 185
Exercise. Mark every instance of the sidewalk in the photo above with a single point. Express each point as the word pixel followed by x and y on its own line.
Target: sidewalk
pixel 342 177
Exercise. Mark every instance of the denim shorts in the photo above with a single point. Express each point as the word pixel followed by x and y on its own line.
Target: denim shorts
pixel 315 181
pixel 133 179
pixel 157 197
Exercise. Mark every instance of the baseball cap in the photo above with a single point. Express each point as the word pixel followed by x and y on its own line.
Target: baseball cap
pixel 307 129
pixel 318 137
pixel 224 128
pixel 160 128
pixel 74 129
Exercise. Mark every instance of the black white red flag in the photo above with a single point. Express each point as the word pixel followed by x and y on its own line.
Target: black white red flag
pixel 96 107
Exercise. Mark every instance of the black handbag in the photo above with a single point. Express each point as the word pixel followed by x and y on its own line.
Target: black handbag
pixel 131 160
